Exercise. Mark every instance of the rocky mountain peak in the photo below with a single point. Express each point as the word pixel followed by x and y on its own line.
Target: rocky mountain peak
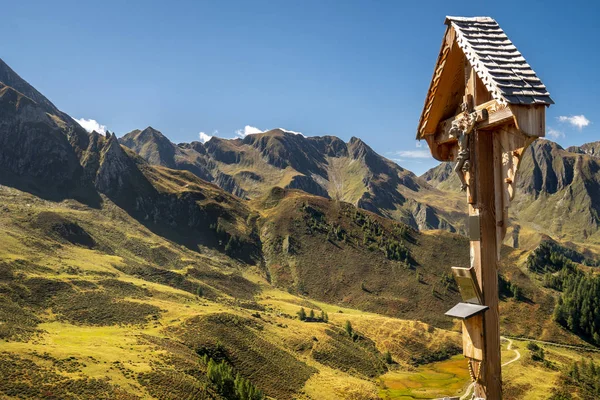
pixel 12 79
pixel 114 166
pixel 331 146
pixel 546 167
pixel 151 145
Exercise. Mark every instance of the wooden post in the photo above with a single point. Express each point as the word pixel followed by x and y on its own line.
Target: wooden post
pixel 483 260
pixel 468 98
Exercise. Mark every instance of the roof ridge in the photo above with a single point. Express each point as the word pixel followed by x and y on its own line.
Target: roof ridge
pixel 468 19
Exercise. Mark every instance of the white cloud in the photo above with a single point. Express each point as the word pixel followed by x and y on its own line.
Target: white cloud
pixel 91 125
pixel 204 137
pixel 413 154
pixel 294 132
pixel 248 130
pixel 578 121
pixel 555 133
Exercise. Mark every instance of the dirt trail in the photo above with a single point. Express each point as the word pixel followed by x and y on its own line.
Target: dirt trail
pixel 509 347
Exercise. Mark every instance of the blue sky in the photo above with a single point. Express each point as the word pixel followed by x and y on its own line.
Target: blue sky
pixel 345 68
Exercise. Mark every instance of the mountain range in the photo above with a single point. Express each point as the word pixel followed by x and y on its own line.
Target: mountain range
pixel 554 184
pixel 131 267
pixel 324 166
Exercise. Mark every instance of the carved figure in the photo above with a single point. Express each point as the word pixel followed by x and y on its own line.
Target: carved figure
pixel 460 130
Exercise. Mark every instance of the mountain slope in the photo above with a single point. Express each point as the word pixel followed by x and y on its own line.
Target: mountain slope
pixel 40 145
pixel 558 190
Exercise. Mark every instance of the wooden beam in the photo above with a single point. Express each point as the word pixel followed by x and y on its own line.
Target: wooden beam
pixel 499 117
pixel 489 115
pixel 530 119
pixel 484 261
pixel 482 94
pixel 482 204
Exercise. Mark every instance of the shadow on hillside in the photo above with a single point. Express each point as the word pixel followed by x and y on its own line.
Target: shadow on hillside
pixel 48 191
pixel 180 219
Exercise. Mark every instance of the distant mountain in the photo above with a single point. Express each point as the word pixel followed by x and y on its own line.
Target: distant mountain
pixel 324 166
pixel 558 190
pixel 47 154
pixel 591 149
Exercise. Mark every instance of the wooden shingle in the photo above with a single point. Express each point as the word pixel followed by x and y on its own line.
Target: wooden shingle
pixel 510 79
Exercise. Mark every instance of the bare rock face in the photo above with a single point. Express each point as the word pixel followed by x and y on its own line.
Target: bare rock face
pixel 40 145
pixel 223 151
pixel 591 149
pixel 330 146
pixel 36 155
pixel 546 167
pixel 10 78
pixel 228 183
pixel 283 149
pixel 308 185
pixel 426 218
pixel 153 146
pixel 437 175
pixel 115 168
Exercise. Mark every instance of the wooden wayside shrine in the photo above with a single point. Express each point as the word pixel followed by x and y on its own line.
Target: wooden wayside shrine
pixel 484 106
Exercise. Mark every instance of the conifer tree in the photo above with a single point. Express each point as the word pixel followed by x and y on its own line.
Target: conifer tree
pixel 388 357
pixel 348 328
pixel 302 314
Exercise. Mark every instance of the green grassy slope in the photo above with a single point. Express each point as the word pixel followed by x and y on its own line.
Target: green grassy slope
pixel 94 304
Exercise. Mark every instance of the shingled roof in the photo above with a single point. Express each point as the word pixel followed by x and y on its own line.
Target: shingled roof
pixel 498 63
pixel 476 51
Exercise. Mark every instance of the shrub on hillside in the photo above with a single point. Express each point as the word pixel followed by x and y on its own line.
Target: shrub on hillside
pixel 302 314
pixel 537 353
pixel 221 375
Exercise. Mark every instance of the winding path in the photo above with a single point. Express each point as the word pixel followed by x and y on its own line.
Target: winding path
pixel 508 347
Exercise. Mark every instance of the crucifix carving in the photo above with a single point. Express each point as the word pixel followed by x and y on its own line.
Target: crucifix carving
pixel 501 109
pixel 460 128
